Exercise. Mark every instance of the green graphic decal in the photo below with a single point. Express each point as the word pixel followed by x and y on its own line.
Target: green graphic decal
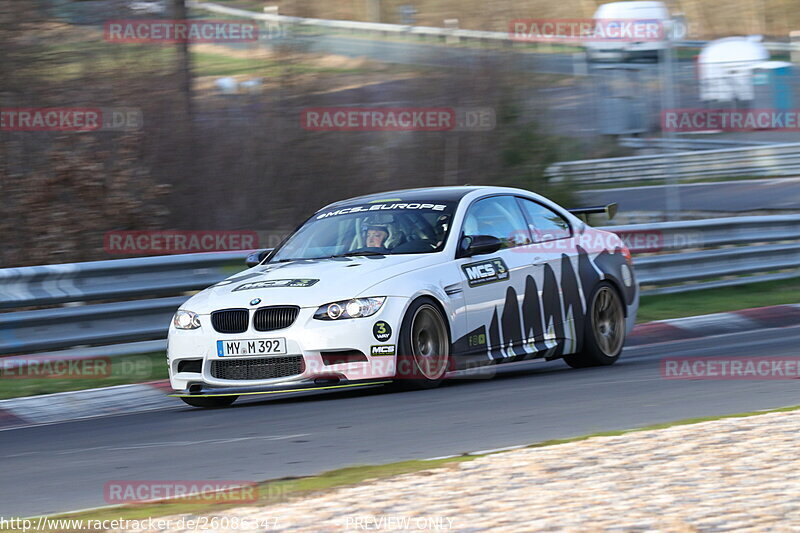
pixel 276 283
pixel 382 349
pixel 382 331
pixel 477 340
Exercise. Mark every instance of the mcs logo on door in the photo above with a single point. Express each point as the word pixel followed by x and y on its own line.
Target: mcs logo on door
pixel 488 271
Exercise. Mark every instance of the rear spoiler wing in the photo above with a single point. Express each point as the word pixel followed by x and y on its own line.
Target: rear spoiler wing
pixel 610 211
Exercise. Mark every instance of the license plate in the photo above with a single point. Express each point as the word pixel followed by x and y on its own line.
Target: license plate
pixel 251 347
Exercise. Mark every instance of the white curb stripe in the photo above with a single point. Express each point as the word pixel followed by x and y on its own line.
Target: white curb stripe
pixel 108 401
pixel 718 323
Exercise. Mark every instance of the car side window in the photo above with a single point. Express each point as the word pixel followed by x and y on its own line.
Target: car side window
pixel 544 223
pixel 498 216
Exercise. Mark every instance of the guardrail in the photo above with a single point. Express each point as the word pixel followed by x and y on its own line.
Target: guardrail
pixel 114 279
pixel 351 25
pixel 775 160
pixel 687 144
pixel 383 28
pixel 764 262
pixel 105 323
pixel 726 252
pixel 708 233
pixel 710 253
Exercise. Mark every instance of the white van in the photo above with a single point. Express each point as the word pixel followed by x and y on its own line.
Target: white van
pixel 624 49
pixel 153 7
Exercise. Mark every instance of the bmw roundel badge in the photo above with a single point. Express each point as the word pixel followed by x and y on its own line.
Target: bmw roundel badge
pixel 255 301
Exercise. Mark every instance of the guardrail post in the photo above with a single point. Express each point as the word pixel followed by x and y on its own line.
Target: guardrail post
pixel 273 29
pixel 794 38
pixel 374 10
pixel 451 25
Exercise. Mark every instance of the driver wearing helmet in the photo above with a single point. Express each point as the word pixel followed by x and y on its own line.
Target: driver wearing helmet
pixel 376 237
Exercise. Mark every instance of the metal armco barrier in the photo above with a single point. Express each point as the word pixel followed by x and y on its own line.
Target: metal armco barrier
pixel 708 233
pixel 63 327
pixel 704 253
pixel 773 160
pixel 755 263
pixel 450 34
pixel 114 279
pixel 693 144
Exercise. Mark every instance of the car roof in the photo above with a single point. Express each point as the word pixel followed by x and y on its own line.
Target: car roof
pixel 424 195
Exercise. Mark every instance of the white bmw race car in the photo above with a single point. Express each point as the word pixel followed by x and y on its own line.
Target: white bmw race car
pixel 408 287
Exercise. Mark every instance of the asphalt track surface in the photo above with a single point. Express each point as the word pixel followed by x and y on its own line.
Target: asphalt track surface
pixel 64 466
pixel 432 55
pixel 729 197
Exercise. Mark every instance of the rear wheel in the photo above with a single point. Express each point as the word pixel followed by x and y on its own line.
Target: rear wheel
pixel 423 351
pixel 209 402
pixel 604 329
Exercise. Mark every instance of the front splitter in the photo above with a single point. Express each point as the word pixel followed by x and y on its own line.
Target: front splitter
pixel 278 389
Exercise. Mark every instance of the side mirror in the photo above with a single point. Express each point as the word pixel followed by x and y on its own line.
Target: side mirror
pixel 478 245
pixel 255 258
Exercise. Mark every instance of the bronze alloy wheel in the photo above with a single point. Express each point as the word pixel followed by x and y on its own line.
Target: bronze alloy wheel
pixel 608 321
pixel 429 342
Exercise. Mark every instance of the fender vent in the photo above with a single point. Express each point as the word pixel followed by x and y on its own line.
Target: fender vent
pixel 349 356
pixel 190 365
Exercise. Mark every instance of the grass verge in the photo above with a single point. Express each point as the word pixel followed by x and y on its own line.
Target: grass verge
pixel 94 372
pixel 701 302
pixel 272 492
pixel 139 58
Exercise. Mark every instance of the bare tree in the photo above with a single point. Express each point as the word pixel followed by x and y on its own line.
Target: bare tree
pixel 179 12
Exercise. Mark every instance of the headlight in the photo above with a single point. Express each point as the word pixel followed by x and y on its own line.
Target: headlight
pixel 355 308
pixel 186 320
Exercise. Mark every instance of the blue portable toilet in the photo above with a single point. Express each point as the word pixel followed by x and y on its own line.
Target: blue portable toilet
pixel 772 81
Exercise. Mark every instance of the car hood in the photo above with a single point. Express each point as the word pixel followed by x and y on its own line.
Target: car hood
pixel 307 283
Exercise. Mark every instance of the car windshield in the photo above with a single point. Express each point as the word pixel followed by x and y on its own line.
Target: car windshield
pixel 385 228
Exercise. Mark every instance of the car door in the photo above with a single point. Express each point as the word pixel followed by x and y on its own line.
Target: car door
pixel 553 317
pixel 493 284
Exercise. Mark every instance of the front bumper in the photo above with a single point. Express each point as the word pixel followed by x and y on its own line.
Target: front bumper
pixel 304 386
pixel 306 337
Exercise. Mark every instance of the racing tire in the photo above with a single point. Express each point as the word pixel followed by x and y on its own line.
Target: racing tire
pixel 604 329
pixel 209 402
pixel 423 347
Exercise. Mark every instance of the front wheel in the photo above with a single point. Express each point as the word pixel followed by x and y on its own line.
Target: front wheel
pixel 209 402
pixel 423 350
pixel 604 329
